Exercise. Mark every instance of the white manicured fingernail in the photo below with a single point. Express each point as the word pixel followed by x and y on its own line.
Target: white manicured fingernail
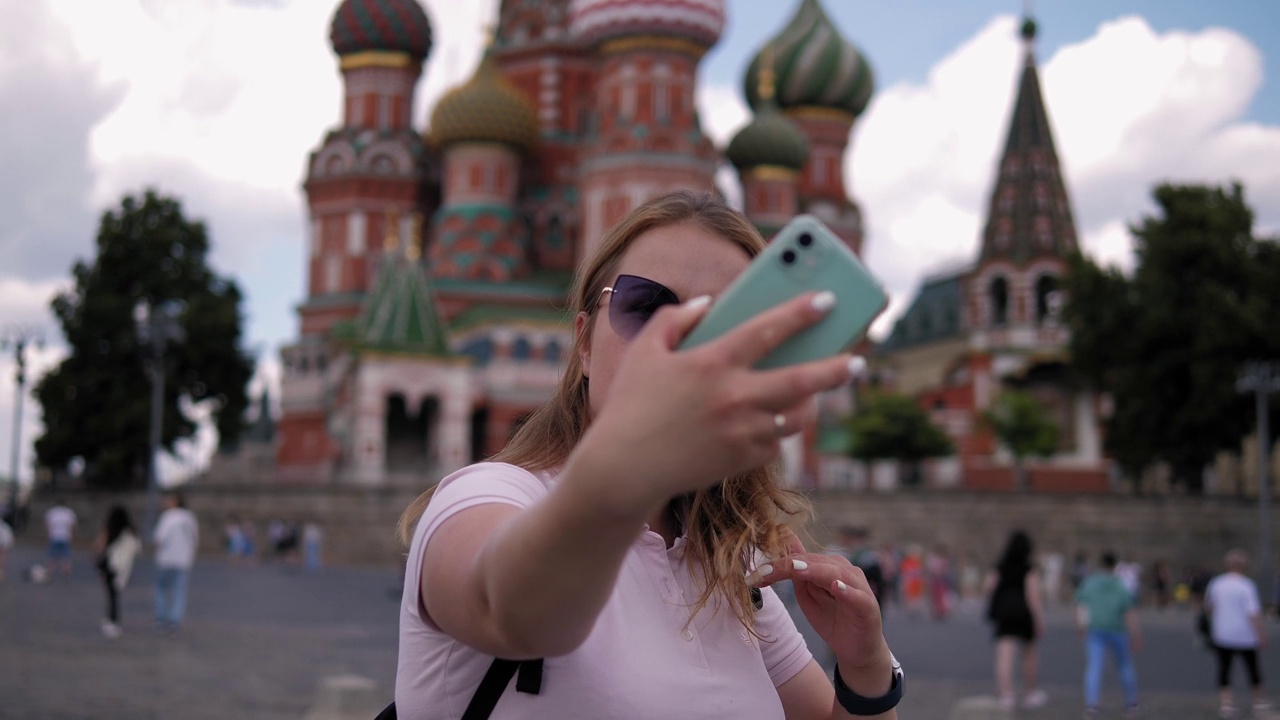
pixel 857 366
pixel 799 565
pixel 841 586
pixel 699 302
pixel 824 301
pixel 765 570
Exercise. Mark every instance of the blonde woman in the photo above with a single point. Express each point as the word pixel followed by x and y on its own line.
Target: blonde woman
pixel 609 548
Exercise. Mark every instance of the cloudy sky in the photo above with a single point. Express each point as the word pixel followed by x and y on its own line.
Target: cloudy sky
pixel 219 102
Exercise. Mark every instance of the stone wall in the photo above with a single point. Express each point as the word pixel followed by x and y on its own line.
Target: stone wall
pixel 359 523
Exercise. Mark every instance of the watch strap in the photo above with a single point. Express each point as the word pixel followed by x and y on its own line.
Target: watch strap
pixel 855 704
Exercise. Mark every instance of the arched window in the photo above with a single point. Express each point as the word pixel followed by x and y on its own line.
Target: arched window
pixel 1047 299
pixel 521 349
pixel 999 297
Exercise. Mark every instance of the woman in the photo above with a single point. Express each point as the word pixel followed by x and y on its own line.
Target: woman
pixel 116 546
pixel 1016 608
pixel 614 536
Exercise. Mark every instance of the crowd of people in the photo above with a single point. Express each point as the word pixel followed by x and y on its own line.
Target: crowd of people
pixel 286 542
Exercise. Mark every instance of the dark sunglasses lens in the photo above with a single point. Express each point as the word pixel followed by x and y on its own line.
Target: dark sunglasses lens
pixel 634 301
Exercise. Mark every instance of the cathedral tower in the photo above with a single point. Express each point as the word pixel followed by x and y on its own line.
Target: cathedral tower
pixel 643 137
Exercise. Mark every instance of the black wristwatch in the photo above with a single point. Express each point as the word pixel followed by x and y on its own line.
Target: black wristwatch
pixel 855 704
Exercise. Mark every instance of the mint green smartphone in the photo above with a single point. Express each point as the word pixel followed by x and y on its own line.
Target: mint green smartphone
pixel 805 256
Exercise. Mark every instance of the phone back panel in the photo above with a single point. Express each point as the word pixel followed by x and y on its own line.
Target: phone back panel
pixel 819 260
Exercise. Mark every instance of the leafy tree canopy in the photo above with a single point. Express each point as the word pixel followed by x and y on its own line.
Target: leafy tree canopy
pixel 1022 424
pixel 895 427
pixel 96 403
pixel 1168 343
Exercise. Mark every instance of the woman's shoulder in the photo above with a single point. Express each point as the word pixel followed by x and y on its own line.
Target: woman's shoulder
pixel 501 478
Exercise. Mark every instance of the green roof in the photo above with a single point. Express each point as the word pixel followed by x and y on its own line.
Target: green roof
pixel 401 314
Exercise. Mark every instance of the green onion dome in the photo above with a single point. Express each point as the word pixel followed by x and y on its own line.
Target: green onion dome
pixel 381 25
pixel 488 108
pixel 769 140
pixel 815 66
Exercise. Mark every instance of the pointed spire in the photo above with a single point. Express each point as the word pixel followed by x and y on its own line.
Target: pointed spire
pixel 401 314
pixel 1029 215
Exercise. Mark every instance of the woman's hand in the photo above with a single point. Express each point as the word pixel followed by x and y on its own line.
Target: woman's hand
pixel 838 602
pixel 676 421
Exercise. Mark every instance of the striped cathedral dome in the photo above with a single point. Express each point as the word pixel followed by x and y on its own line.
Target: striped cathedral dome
pixel 596 21
pixel 381 25
pixel 815 66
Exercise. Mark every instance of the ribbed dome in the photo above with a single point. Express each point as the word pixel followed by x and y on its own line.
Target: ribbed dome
pixel 488 108
pixel 770 139
pixel 387 25
pixel 595 21
pixel 816 67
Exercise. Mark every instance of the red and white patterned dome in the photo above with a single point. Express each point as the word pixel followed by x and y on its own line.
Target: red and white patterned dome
pixel 596 21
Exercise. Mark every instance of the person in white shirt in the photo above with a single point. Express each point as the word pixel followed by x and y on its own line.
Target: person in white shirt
pixel 175 537
pixel 6 542
pixel 60 522
pixel 1236 629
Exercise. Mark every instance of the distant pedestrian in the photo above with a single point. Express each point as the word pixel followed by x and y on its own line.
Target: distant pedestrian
pixel 1235 622
pixel 60 523
pixel 940 582
pixel 1016 607
pixel 233 536
pixel 855 544
pixel 1130 574
pixel 311 537
pixel 1108 623
pixel 176 535
pixel 6 542
pixel 116 547
pixel 1161 584
pixel 912 580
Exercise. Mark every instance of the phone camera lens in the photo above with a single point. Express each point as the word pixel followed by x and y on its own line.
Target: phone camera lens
pixel 805 239
pixel 788 256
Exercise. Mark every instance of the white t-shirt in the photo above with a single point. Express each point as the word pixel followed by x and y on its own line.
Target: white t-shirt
pixel 643 659
pixel 1233 601
pixel 175 537
pixel 59 520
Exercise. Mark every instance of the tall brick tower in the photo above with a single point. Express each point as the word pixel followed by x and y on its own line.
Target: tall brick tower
pixel 643 137
pixel 363 185
pixel 823 84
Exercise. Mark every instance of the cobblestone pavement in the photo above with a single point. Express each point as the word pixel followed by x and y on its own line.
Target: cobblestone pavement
pixel 259 640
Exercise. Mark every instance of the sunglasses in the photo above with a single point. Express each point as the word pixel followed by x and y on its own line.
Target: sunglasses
pixel 634 300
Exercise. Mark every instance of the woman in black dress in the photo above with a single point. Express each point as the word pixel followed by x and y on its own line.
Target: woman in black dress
pixel 1017 611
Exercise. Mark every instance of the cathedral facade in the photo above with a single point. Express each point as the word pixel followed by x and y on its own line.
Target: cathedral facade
pixel 439 255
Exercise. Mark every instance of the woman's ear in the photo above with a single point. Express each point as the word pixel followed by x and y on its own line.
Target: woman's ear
pixel 582 341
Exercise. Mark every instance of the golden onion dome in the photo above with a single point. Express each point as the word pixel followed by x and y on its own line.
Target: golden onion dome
pixel 487 108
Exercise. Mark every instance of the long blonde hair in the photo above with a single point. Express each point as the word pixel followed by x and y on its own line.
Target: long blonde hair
pixel 725 524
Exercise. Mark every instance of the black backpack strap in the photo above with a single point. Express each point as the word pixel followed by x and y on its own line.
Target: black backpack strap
pixel 495 682
pixel 388 713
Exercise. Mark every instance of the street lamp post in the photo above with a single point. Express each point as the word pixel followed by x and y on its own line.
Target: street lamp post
pixel 18 338
pixel 1262 379
pixel 158 325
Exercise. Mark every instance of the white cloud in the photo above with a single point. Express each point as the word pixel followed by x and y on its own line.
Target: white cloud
pixel 1130 108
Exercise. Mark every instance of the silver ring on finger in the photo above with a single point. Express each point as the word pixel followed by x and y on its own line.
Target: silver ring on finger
pixel 780 424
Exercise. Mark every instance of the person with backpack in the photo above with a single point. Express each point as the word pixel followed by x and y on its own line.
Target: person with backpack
pixel 629 533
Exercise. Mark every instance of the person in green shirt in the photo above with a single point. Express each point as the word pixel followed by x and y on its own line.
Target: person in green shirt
pixel 1107 622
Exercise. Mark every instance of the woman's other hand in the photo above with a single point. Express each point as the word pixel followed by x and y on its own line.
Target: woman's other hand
pixel 838 602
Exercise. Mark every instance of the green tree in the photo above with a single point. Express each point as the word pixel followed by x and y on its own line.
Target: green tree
pixel 1168 343
pixel 1023 425
pixel 96 403
pixel 895 427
